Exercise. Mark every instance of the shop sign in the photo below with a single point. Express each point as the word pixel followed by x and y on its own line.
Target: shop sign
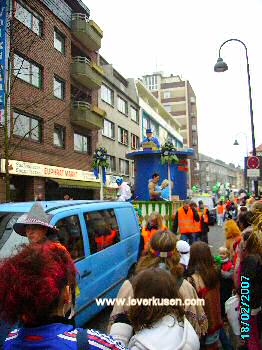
pixel 17 167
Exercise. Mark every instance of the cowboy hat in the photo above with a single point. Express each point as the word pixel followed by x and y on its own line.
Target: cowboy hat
pixel 36 216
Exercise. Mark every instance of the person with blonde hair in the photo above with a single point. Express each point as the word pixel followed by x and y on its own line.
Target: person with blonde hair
pixel 154 223
pixel 232 235
pixel 162 253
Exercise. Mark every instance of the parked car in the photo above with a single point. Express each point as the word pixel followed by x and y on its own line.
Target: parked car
pixel 208 202
pixel 102 238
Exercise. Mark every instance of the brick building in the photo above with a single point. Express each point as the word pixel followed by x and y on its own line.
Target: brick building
pixel 54 100
pixel 179 99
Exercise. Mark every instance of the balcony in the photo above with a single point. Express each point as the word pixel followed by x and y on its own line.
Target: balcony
pixel 86 72
pixel 86 31
pixel 87 116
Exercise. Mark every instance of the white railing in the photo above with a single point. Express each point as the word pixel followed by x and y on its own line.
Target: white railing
pixel 79 59
pixel 81 104
pixel 81 16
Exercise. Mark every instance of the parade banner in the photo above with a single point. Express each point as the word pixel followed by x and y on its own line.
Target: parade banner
pixel 2 58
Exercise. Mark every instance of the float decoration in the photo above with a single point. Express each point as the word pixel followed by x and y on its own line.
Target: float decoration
pixel 99 165
pixel 168 156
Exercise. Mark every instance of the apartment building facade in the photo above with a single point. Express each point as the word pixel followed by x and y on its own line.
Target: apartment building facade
pixel 214 170
pixel 121 130
pixel 178 98
pixel 153 115
pixel 54 110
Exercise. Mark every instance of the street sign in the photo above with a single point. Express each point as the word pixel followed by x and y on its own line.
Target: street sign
pixel 253 162
pixel 254 173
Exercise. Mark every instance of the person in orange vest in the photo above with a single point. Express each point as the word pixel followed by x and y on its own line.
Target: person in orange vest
pixel 197 224
pixel 204 214
pixel 105 239
pixel 153 225
pixel 220 213
pixel 185 219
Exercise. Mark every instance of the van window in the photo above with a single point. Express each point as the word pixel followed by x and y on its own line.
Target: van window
pixel 9 239
pixel 70 236
pixel 103 230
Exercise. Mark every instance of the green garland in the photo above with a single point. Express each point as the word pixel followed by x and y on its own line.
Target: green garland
pixel 168 153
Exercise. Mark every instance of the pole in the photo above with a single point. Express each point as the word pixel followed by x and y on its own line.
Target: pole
pixel 101 184
pixel 169 180
pixel 250 107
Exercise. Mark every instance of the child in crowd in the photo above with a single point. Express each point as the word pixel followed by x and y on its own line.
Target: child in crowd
pixel 183 249
pixel 156 327
pixel 226 278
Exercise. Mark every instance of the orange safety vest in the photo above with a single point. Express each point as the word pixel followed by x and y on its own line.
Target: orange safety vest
pixel 186 221
pixel 147 234
pixel 220 209
pixel 105 240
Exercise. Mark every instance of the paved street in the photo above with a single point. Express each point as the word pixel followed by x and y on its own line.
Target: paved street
pixel 216 239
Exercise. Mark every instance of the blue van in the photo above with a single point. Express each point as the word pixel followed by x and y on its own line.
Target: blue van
pixel 102 238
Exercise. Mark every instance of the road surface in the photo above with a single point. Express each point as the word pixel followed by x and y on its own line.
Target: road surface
pixel 216 239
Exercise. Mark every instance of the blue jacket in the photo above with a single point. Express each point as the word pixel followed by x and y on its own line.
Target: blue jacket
pixel 57 336
pixel 153 139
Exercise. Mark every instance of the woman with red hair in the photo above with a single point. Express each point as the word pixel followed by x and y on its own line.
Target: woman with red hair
pixel 36 290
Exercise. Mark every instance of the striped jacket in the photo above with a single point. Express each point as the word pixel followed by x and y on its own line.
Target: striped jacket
pixel 57 336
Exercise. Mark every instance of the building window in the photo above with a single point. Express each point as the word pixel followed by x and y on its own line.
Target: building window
pixel 29 18
pixel 102 228
pixel 81 143
pixel 122 105
pixel 112 164
pixel 134 115
pixel 194 127
pixel 167 94
pixel 59 136
pixel 123 136
pixel 151 82
pixel 194 141
pixel 168 108
pixel 59 41
pixel 27 71
pixel 109 129
pixel 27 127
pixel 107 94
pixel 59 88
pixel 124 167
pixel 134 141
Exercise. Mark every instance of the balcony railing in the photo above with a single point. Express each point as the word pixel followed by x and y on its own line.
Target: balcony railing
pixel 86 72
pixel 87 31
pixel 87 116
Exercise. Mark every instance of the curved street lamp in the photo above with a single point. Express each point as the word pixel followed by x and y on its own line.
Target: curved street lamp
pixel 221 66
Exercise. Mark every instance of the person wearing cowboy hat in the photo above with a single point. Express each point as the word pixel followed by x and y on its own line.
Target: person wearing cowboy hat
pixel 35 225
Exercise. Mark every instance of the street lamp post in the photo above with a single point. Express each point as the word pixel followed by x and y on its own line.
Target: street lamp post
pixel 237 144
pixel 221 66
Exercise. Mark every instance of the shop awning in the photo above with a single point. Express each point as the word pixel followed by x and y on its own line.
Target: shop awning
pixel 76 184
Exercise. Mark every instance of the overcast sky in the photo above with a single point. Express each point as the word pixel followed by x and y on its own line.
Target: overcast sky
pixel 183 37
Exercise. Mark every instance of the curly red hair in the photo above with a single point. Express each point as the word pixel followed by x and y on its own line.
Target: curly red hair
pixel 32 281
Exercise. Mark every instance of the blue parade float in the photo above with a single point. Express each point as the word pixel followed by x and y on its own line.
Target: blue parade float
pixel 148 162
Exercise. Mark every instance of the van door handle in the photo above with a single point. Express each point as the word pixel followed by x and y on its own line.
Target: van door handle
pixel 86 273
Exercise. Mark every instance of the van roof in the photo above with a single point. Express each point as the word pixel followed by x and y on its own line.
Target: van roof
pixel 50 206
